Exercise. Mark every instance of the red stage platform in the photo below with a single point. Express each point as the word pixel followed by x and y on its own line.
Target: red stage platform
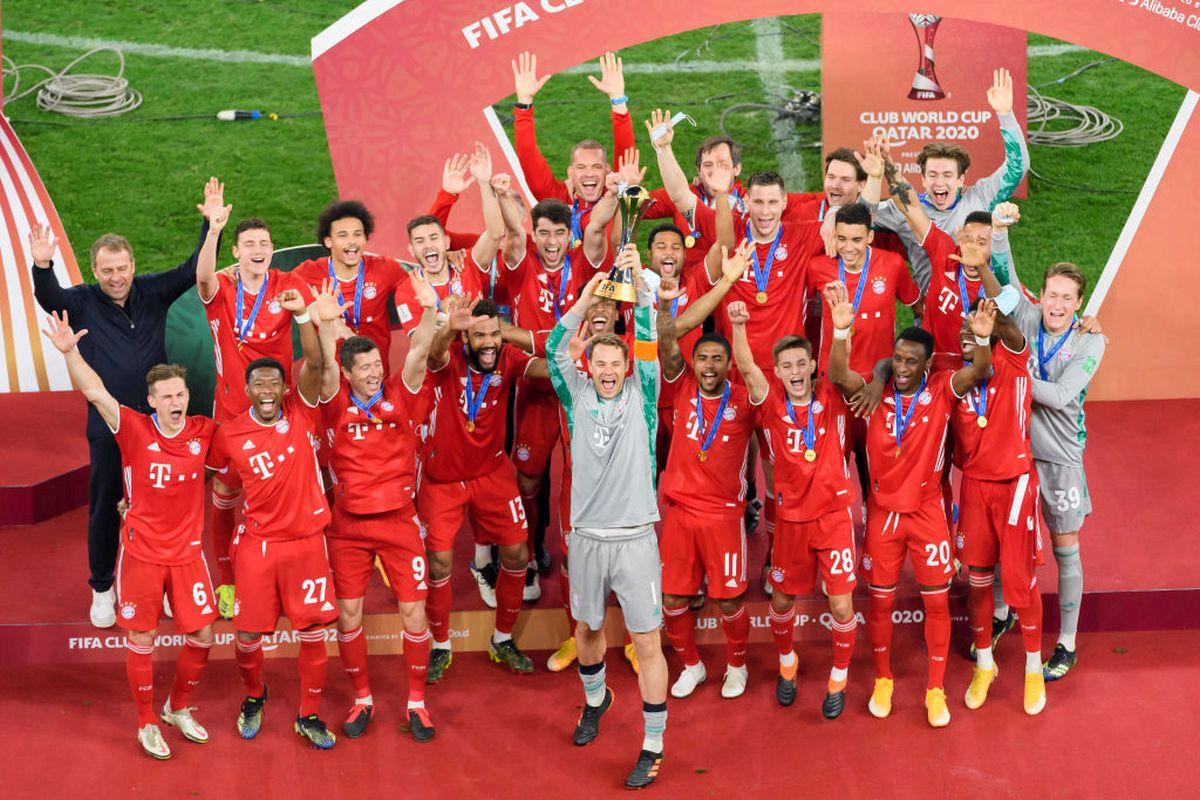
pixel 44 469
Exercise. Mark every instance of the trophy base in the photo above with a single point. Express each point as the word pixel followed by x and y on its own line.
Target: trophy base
pixel 926 94
pixel 613 290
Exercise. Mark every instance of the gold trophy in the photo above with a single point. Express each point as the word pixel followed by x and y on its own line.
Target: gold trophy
pixel 632 201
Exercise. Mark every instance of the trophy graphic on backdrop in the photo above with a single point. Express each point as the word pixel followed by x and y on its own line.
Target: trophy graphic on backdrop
pixel 632 202
pixel 925 83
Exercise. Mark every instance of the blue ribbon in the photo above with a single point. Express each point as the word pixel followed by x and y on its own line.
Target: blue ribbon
pixel 862 278
pixel 1044 357
pixel 366 409
pixel 981 406
pixel 923 197
pixel 564 278
pixel 821 210
pixel 358 293
pixel 475 400
pixel 762 274
pixel 245 326
pixel 810 434
pixel 962 291
pixel 576 228
pixel 712 431
pixel 903 418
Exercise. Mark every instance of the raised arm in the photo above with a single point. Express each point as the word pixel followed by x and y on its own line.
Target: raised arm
pixel 595 245
pixel 82 375
pixel 970 254
pixel 756 381
pixel 538 175
pixel 670 356
pixel 872 160
pixel 725 233
pixel 733 266
pixel 311 381
pixel 905 200
pixel 981 323
pixel 612 83
pixel 416 360
pixel 48 292
pixel 487 245
pixel 456 318
pixel 1000 185
pixel 842 315
pixel 673 178
pixel 559 360
pixel 217 213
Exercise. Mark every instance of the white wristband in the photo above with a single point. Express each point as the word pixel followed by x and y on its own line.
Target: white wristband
pixel 982 341
pixel 302 318
pixel 841 333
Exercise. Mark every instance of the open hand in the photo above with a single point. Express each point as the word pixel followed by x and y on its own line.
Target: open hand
pixel 525 77
pixel 41 244
pixel 612 76
pixel 455 175
pixel 60 334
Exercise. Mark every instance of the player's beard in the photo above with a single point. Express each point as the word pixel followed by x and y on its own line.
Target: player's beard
pixel 473 357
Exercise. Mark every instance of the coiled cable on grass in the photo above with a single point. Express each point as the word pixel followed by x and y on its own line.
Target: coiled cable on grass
pixel 83 95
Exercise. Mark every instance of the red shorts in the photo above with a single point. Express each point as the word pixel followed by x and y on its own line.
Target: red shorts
pixel 355 540
pixel 890 534
pixel 497 515
pixel 799 547
pixel 141 586
pixel 999 523
pixel 537 430
pixel 288 576
pixel 694 544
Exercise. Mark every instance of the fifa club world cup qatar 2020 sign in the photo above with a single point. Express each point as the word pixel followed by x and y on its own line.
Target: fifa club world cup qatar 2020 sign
pixel 404 82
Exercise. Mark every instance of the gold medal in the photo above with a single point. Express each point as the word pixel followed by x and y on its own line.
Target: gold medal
pixel 377 420
pixel 761 297
pixel 703 456
pixel 981 422
pixel 689 240
pixel 810 455
pixel 576 242
pixel 470 426
pixel 897 452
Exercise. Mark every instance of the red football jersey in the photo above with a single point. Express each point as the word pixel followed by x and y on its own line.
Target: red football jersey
pixel 536 291
pixel 373 458
pixel 888 280
pixel 269 337
pixel 454 452
pixel 806 490
pixel 904 478
pixel 465 281
pixel 1000 451
pixel 718 483
pixel 382 276
pixel 944 303
pixel 164 486
pixel 285 498
pixel 782 313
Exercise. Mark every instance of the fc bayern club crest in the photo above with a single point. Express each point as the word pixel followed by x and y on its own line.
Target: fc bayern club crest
pixel 781 252
pixel 282 426
pixel 959 541
pixel 817 407
pixel 776 575
pixel 194 447
pixel 128 610
pixel 496 380
pixel 729 414
pixel 879 285
pixel 866 562
pixel 369 291
pixel 456 286
pixel 523 453
pixel 926 398
pixel 386 405
pixel 274 307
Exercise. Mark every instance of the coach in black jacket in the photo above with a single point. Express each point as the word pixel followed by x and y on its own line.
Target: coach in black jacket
pixel 125 317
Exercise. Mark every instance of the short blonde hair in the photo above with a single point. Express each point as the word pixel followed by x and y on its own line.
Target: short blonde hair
pixel 609 340
pixel 111 241
pixel 1067 270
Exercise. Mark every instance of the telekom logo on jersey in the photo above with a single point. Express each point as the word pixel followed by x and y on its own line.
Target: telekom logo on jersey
pixel 947 299
pixel 160 474
pixel 262 464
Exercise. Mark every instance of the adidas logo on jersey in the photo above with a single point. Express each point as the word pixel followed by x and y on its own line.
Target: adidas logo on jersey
pixel 154 448
pixel 421 586
pixel 327 607
pixel 249 445
pixel 731 583
pixel 207 609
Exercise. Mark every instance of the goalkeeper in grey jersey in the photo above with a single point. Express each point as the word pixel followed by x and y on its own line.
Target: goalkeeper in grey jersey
pixel 612 423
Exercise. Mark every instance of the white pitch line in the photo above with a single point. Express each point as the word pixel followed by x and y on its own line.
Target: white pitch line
pixel 768 47
pixel 158 50
pixel 253 57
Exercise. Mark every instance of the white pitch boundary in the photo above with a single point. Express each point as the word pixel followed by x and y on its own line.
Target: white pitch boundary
pixel 370 10
pixel 768 47
pixel 1149 188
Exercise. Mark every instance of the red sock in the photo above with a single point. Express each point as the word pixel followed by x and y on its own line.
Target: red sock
pixel 221 522
pixel 980 605
pixel 510 587
pixel 564 584
pixel 937 634
pixel 437 608
pixel 188 668
pixel 249 662
pixel 737 633
pixel 681 632
pixel 416 658
pixel 843 642
pixel 1031 621
pixel 312 662
pixel 139 668
pixel 352 647
pixel 879 629
pixel 783 629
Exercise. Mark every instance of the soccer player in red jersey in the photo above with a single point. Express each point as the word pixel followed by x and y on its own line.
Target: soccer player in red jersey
pixel 906 440
pixel 804 425
pixel 366 281
pixel 585 184
pixel 279 558
pixel 371 425
pixel 247 322
pixel 704 532
pixel 161 552
pixel 466 472
pixel 429 245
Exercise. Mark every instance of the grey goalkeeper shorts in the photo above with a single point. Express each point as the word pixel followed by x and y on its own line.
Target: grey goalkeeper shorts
pixel 624 561
pixel 1064 496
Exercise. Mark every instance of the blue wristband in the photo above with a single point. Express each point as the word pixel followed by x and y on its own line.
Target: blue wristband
pixel 616 101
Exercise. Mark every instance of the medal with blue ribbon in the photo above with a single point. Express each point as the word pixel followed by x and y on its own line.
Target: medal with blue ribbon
pixel 978 398
pixel 862 279
pixel 576 226
pixel 475 399
pixel 762 273
pixel 810 431
pixel 902 416
pixel 245 325
pixel 366 408
pixel 358 293
pixel 564 278
pixel 1043 356
pixel 707 440
pixel 962 291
